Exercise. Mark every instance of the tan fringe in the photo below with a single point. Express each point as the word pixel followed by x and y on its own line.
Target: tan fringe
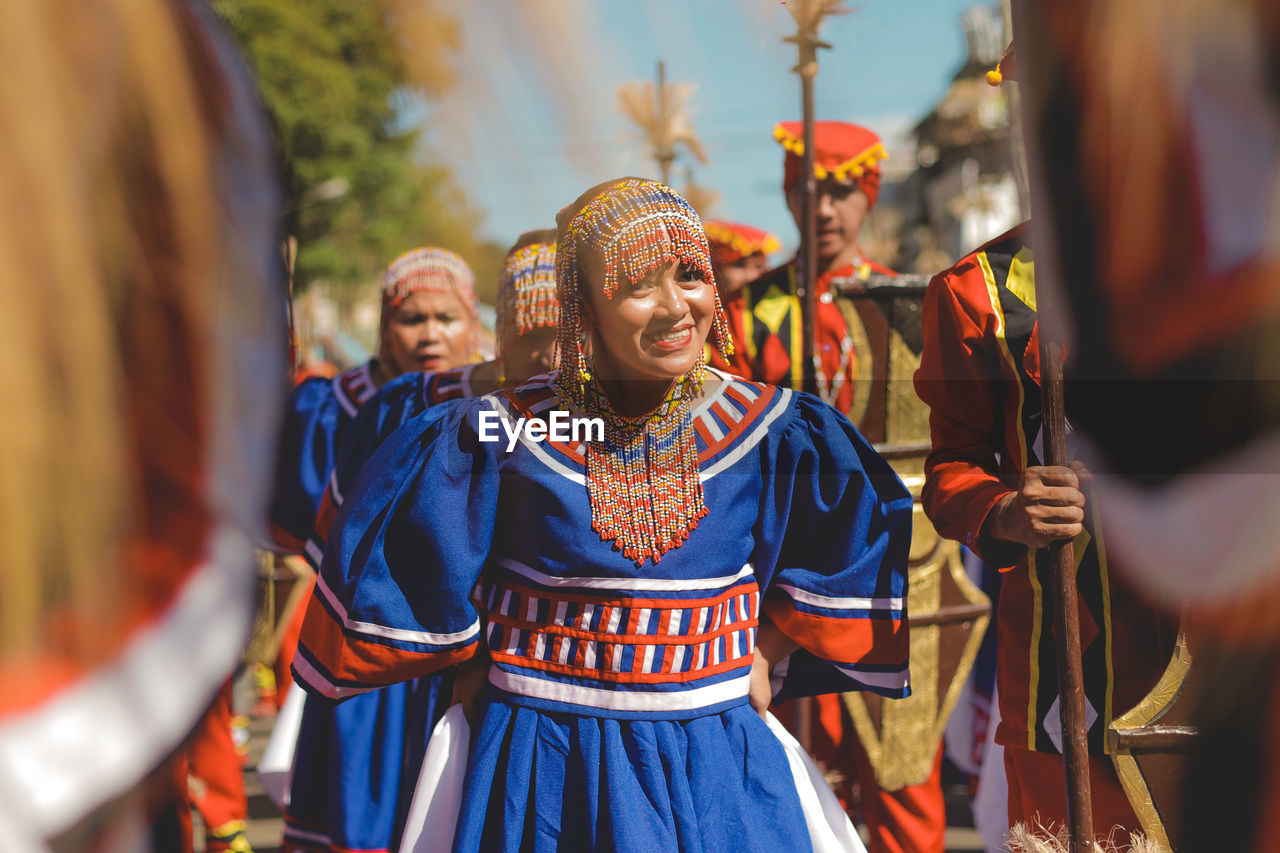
pixel 1023 838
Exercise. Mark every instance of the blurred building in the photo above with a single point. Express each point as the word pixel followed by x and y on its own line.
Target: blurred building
pixel 963 187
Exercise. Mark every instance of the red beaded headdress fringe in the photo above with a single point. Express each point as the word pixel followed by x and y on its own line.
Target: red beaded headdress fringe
pixel 428 268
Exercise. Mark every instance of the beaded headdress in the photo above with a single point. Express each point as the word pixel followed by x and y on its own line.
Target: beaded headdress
pixel 637 226
pixel 843 151
pixel 527 293
pixel 733 241
pixel 642 480
pixel 426 268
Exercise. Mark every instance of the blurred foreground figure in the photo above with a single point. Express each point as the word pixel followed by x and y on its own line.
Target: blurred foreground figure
pixel 1175 322
pixel 143 320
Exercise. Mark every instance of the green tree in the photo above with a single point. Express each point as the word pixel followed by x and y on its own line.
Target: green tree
pixel 333 76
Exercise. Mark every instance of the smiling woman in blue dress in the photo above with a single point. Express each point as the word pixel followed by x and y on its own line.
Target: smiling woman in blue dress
pixel 635 594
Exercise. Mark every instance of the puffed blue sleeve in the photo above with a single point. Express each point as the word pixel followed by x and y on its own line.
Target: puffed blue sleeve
pixel 306 456
pixel 834 535
pixel 395 404
pixel 392 601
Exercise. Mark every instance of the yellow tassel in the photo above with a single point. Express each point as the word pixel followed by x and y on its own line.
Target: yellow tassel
pixel 820 173
pixel 994 78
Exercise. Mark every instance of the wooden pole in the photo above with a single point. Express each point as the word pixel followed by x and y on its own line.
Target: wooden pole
pixel 1075 742
pixel 664 153
pixel 806 290
pixel 807 43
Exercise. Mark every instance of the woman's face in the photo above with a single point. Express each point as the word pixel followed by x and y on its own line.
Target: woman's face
pixel 734 276
pixel 652 329
pixel 529 354
pixel 430 331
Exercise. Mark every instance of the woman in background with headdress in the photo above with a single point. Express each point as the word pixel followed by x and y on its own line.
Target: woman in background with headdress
pixel 527 320
pixel 428 322
pixel 356 763
pixel 636 589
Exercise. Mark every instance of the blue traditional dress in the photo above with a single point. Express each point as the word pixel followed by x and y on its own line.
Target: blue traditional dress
pixel 617 714
pixel 356 763
pixel 318 412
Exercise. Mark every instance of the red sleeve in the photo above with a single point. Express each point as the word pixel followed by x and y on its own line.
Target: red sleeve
pixel 961 380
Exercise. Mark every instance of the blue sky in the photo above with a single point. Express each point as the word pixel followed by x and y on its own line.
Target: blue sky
pixel 534 119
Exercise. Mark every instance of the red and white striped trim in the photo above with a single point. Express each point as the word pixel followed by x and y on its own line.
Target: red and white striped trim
pixel 580 633
pixel 743 445
pixel 827 602
pixel 399 634
pixel 895 680
pixel 318 680
pixel 635 584
pixel 354 388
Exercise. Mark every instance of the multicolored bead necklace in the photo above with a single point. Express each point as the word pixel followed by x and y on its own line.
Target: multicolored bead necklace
pixel 831 393
pixel 643 480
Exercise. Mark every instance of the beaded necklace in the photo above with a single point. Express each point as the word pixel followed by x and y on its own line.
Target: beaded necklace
pixel 642 480
pixel 831 394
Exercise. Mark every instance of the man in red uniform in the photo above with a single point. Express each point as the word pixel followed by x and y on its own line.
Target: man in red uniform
pixel 985 486
pixel 765 322
pixel 739 255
